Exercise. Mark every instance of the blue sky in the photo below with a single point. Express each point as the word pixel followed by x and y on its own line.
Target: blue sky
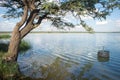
pixel 112 23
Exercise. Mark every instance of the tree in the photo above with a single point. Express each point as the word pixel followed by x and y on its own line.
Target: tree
pixel 33 12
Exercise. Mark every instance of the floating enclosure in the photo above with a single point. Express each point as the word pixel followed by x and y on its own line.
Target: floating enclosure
pixel 103 54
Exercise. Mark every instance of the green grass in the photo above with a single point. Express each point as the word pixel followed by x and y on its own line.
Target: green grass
pixel 24 46
pixel 8 70
pixel 5 36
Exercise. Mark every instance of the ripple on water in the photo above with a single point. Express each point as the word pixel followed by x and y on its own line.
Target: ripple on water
pixel 105 71
pixel 78 52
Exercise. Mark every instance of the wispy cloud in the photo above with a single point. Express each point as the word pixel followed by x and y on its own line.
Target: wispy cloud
pixel 101 22
pixel 117 22
pixel 86 17
pixel 6 25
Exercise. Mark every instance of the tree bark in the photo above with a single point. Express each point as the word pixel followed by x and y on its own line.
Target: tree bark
pixel 13 46
pixel 16 37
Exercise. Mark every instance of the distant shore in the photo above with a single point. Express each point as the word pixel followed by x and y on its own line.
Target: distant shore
pixel 9 32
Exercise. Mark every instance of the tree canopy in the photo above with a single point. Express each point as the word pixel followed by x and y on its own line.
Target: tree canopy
pixel 57 9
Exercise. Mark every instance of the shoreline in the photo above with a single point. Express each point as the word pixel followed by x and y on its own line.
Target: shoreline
pixel 9 32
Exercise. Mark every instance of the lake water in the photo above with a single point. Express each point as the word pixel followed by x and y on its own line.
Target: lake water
pixel 68 56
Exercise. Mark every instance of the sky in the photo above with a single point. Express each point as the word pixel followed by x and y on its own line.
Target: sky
pixel 111 24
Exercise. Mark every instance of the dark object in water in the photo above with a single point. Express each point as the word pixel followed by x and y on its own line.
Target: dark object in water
pixel 103 54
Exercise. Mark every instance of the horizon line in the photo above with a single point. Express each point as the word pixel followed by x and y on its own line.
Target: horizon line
pixel 66 32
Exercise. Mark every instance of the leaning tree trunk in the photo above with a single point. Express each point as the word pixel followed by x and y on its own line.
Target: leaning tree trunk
pixel 13 46
pixel 22 28
pixel 16 37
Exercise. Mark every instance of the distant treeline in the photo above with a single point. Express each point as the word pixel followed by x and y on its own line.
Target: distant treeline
pixel 9 32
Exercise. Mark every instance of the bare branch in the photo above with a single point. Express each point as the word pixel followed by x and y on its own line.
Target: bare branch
pixel 32 5
pixel 29 24
pixel 40 20
pixel 33 14
pixel 25 2
pixel 26 30
pixel 33 1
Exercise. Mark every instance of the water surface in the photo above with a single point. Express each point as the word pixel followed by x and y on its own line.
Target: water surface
pixel 71 56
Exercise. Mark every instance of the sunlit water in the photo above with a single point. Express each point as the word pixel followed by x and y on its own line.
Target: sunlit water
pixel 71 56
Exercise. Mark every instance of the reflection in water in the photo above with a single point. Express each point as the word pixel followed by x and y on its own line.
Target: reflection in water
pixel 59 70
pixel 71 57
pixel 83 73
pixel 102 59
pixel 56 70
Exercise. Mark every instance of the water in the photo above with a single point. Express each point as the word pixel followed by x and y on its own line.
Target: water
pixel 71 56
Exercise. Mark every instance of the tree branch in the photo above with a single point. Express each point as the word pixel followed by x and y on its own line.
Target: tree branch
pixel 24 16
pixel 26 30
pixel 33 14
pixel 32 5
pixel 29 24
pixel 33 1
pixel 40 20
pixel 25 2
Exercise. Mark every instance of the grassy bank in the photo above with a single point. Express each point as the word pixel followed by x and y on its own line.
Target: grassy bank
pixel 5 36
pixel 24 45
pixel 10 70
